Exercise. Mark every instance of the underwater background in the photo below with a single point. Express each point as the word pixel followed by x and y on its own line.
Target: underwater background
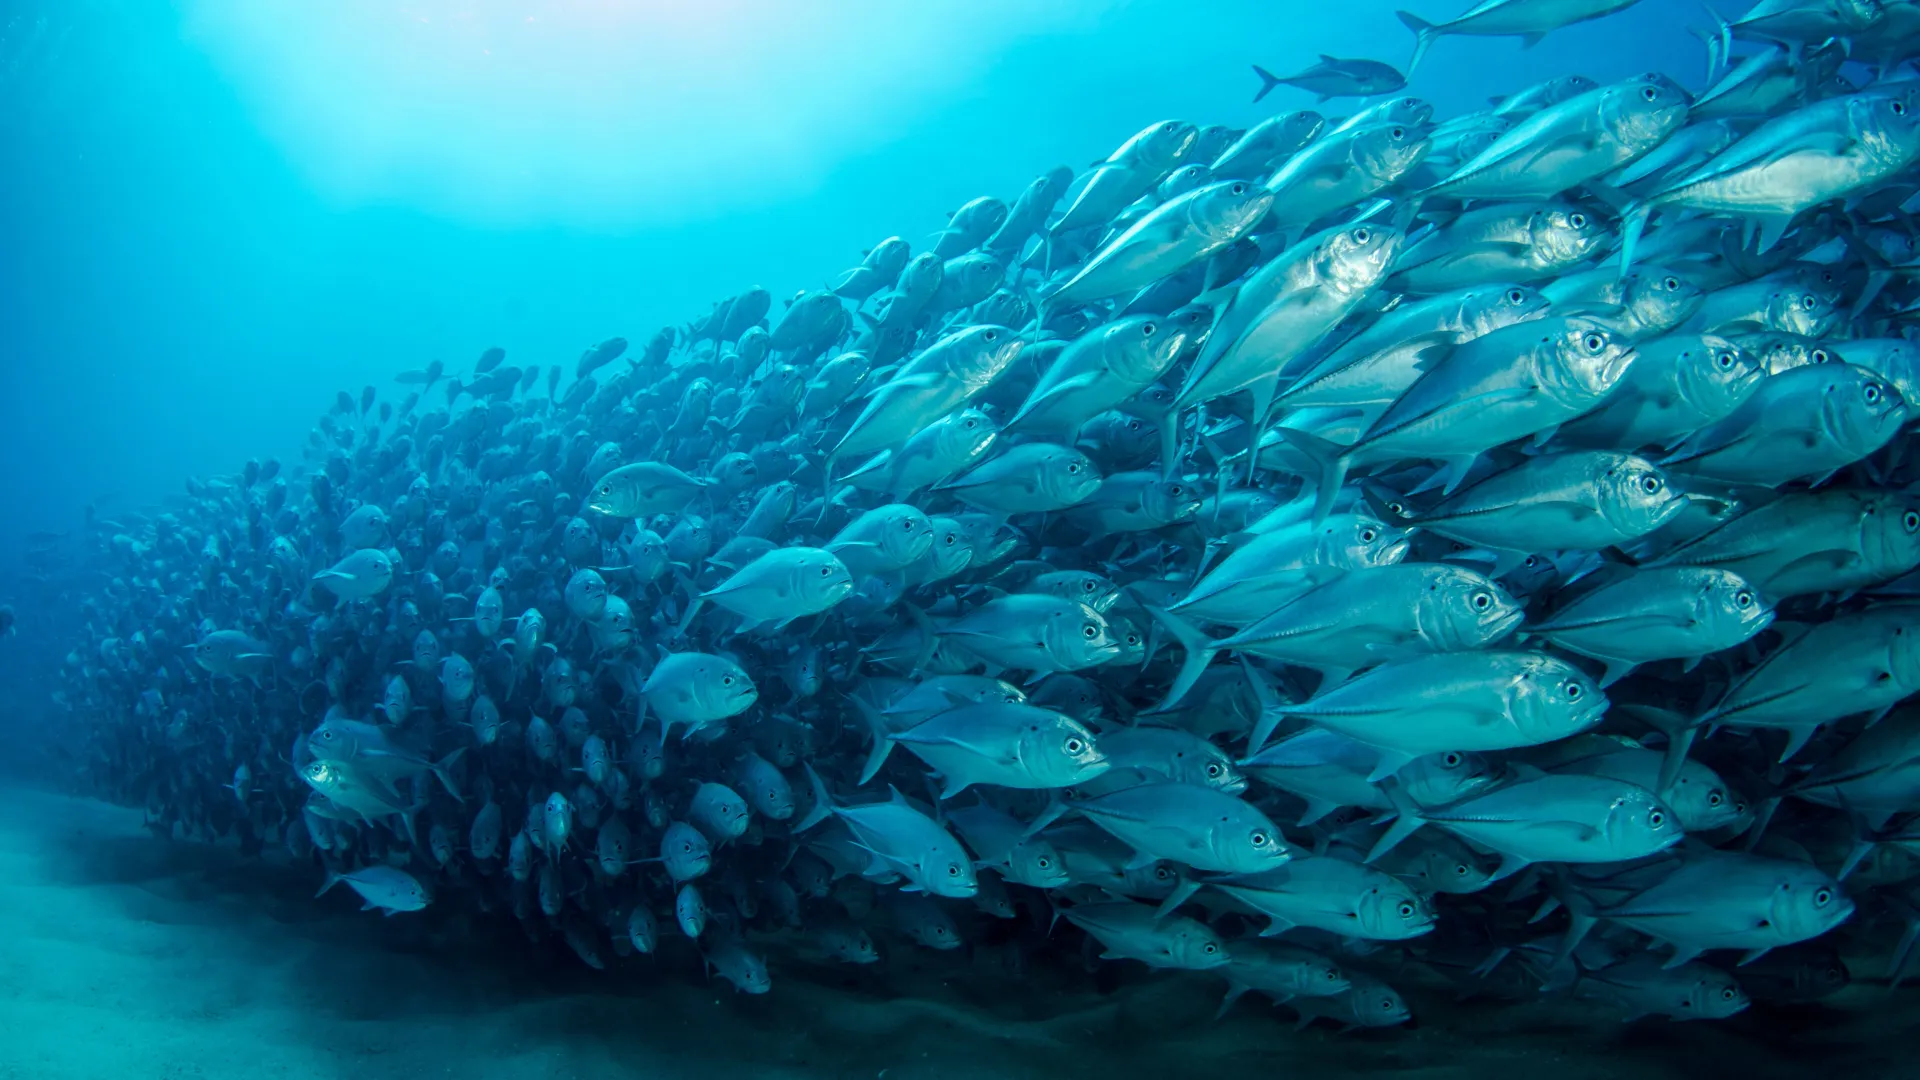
pixel 216 214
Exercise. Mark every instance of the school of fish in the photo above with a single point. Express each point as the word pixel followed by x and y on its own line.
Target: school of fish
pixel 1367 554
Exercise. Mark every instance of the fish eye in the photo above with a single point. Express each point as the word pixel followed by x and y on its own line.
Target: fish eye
pixel 1368 536
pixel 726 680
pixel 1074 745
pixel 907 524
pixel 1073 468
pixel 1650 484
pixel 1209 948
pixel 1162 873
pixel 1672 284
pixel 1594 342
pixel 1481 602
pixel 1362 236
pixel 1148 330
pixel 1899 108
pixel 1656 819
pixel 1911 519
pixel 1515 296
pixel 1461 870
pixel 1043 863
pixel 1091 631
pixel 1168 126
pixel 1822 898
pixel 1406 910
pixel 1650 94
pixel 1259 839
pixel 1872 394
pixel 1819 356
pixel 1213 770
pixel 1743 599
pixel 826 571
pixel 1725 360
pixel 1713 798
pixel 1808 302
pixel 1573 691
pixel 1452 760
pixel 1238 189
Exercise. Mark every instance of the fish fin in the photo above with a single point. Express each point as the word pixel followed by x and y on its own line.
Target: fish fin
pixel 1316 809
pixel 1423 36
pixel 1331 461
pixel 1272 711
pixel 1681 954
pixel 1200 651
pixel 1403 826
pixel 1391 761
pixel 1276 926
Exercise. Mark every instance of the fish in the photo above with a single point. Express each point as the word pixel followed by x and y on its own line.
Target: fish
pixel 1239 554
pixel 1529 20
pixel 1336 78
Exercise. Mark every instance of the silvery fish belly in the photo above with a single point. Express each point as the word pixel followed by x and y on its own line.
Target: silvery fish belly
pixel 1441 548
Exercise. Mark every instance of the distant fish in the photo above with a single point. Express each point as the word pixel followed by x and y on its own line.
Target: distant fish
pixel 1333 78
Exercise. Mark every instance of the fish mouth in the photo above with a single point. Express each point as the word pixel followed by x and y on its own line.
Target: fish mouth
pixel 1505 624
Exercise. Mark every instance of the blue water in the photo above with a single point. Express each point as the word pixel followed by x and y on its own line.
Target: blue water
pixel 219 212
pixel 214 214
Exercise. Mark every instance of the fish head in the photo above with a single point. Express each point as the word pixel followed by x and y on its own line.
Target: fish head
pixel 1079 637
pixel 1034 861
pixel 1356 258
pixel 952 548
pixel 1063 751
pixel 905 532
pixel 1639 823
pixel 1229 209
pixel 1158 149
pixel 1643 111
pixel 1806 310
pixel 1550 699
pixel 1140 348
pixel 979 354
pixel 1173 501
pixel 1635 494
pixel 1393 912
pixel 1500 306
pixel 1375 1004
pixel 1444 777
pixel 1580 360
pixel 1388 151
pixel 1889 531
pixel 1860 411
pixel 1702 801
pixel 1716 376
pixel 1467 609
pixel 1358 540
pixel 1659 299
pixel 1068 476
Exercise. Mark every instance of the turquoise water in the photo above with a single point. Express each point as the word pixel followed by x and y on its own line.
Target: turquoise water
pixel 217 215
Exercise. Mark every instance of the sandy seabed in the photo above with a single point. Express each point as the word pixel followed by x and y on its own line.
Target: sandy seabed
pixel 124 956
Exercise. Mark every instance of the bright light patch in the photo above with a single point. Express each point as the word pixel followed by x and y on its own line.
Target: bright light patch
pixel 601 112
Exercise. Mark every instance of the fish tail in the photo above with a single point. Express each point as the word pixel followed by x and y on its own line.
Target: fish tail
pixel 1200 650
pixel 446 778
pixel 1268 80
pixel 882 745
pixel 1331 460
pixel 822 802
pixel 1423 35
pixel 1634 225
pixel 334 877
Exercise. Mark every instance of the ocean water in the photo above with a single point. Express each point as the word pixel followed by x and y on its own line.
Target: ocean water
pixel 218 214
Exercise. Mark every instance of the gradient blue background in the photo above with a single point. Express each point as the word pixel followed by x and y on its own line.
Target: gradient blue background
pixel 215 213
